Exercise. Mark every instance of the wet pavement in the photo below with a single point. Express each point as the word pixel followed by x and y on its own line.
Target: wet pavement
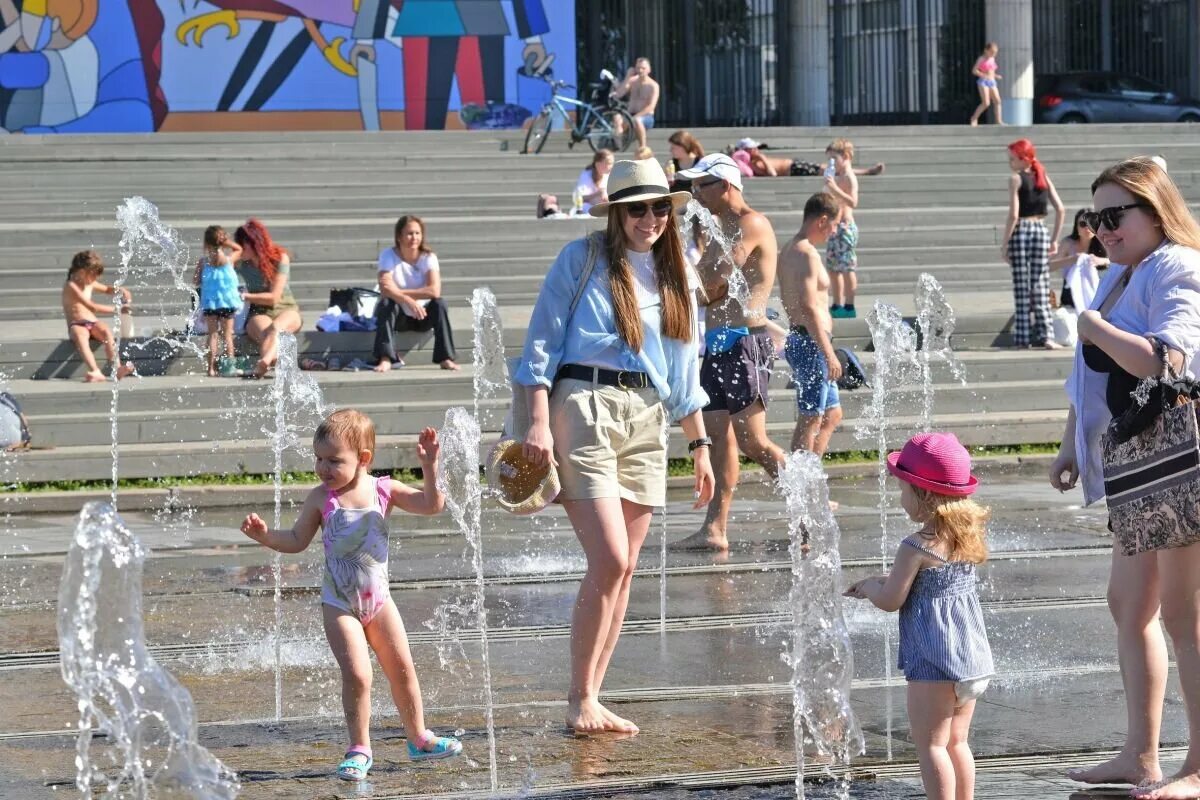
pixel 706 683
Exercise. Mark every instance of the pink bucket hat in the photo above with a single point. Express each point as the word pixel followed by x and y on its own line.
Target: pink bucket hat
pixel 937 462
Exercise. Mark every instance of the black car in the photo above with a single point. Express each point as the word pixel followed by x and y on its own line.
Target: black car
pixel 1108 97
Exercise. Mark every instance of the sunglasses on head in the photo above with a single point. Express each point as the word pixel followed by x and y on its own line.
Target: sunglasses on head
pixel 1108 217
pixel 661 208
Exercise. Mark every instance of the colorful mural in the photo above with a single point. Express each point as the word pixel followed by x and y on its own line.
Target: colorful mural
pixel 87 66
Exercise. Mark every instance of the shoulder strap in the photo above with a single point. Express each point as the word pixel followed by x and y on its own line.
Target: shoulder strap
pixel 594 244
pixel 383 491
pixel 909 541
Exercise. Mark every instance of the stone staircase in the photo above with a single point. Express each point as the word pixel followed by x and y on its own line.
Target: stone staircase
pixel 332 200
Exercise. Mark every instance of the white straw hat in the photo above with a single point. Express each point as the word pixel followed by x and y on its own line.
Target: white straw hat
pixel 638 181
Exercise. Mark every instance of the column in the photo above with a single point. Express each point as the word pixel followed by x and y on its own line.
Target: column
pixel 1009 23
pixel 808 62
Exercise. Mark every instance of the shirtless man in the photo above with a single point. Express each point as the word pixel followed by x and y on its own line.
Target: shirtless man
pixel 643 95
pixel 804 289
pixel 765 166
pixel 80 311
pixel 739 352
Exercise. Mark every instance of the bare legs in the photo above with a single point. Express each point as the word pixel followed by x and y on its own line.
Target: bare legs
pixel 1133 600
pixel 939 732
pixel 612 532
pixel 988 95
pixel 813 432
pixel 81 337
pixel 747 431
pixel 265 333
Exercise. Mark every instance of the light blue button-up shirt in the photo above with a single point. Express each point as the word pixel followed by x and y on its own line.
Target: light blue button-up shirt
pixel 591 338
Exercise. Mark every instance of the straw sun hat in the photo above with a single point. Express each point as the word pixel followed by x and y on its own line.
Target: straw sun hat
pixel 638 181
pixel 521 487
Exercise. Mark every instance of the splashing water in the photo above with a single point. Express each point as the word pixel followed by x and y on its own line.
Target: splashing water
pixel 821 659
pixel 491 369
pixel 298 407
pixel 145 714
pixel 150 251
pixel 739 289
pixel 897 369
pixel 458 479
pixel 935 321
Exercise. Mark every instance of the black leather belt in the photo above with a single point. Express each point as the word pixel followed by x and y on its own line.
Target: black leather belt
pixel 604 377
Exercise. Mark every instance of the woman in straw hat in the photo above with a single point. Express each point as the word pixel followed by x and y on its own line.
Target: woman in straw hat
pixel 604 382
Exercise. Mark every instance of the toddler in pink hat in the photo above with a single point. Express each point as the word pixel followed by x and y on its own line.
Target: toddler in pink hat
pixel 944 650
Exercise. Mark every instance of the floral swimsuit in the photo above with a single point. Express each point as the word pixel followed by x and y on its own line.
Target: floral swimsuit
pixel 356 553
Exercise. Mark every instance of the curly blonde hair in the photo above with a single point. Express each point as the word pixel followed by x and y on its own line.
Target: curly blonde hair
pixel 960 522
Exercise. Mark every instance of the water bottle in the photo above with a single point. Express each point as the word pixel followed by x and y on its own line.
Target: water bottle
pixel 127 330
pixel 577 200
pixel 831 170
pixel 670 171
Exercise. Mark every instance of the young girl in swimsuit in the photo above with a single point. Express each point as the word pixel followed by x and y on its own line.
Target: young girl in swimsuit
pixel 944 649
pixel 351 507
pixel 985 79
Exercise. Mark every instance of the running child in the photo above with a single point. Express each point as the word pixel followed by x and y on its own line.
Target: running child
pixel 83 280
pixel 841 253
pixel 986 79
pixel 944 649
pixel 219 295
pixel 351 507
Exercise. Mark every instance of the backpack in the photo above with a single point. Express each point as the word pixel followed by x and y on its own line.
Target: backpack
pixel 14 429
pixel 853 373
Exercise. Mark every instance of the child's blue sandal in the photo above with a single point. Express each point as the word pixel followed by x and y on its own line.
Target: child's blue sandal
pixel 352 768
pixel 429 746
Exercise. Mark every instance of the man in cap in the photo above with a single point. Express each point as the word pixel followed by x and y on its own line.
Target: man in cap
pixel 739 351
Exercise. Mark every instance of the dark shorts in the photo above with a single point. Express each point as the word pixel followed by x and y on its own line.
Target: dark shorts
pixel 220 313
pixel 736 378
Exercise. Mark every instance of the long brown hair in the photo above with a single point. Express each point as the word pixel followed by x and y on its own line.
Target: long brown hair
pixel 671 271
pixel 688 142
pixel 1150 183
pixel 402 223
pixel 960 522
pixel 598 158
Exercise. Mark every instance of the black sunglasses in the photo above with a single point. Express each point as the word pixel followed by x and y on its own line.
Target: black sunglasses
pixel 661 209
pixel 698 185
pixel 1108 217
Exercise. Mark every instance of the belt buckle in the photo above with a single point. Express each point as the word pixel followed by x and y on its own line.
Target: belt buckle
pixel 621 381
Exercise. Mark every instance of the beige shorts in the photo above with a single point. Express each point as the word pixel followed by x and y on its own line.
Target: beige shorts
pixel 609 442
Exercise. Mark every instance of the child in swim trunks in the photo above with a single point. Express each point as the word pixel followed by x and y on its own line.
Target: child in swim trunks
pixel 841 252
pixel 83 279
pixel 350 507
pixel 944 649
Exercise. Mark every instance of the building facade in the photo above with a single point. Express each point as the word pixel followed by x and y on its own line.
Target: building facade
pixel 815 62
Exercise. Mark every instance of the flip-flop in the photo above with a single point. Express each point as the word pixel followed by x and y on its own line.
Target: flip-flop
pixel 443 747
pixel 351 769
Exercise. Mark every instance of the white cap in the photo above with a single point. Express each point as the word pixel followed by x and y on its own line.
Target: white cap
pixel 747 144
pixel 1162 162
pixel 718 165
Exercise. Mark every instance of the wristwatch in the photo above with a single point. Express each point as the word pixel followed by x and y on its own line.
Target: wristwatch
pixel 703 441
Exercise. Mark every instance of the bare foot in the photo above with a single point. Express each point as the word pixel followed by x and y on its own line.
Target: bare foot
pixel 383 366
pixel 94 377
pixel 707 539
pixel 212 373
pixel 624 725
pixel 1122 769
pixel 260 368
pixel 124 371
pixel 450 365
pixel 974 123
pixel 1050 344
pixel 1180 786
pixel 588 716
pixel 834 505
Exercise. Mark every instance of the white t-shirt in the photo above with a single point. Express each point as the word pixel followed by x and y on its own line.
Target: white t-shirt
pixel 586 186
pixel 406 275
pixel 645 279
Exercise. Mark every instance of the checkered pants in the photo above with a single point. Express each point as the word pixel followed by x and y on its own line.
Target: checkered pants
pixel 1029 256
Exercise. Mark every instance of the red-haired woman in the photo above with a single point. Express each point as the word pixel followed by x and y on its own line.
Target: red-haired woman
pixel 264 268
pixel 1028 245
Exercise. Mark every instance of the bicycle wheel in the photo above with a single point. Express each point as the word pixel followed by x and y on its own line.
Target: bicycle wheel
pixel 539 131
pixel 612 129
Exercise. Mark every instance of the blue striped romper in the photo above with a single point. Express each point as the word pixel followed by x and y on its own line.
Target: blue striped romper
pixel 942 636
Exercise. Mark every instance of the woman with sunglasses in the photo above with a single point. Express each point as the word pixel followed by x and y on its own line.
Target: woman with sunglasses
pixel 604 382
pixel 1151 293
pixel 1028 246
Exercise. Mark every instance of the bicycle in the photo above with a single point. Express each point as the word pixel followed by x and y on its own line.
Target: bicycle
pixel 601 126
